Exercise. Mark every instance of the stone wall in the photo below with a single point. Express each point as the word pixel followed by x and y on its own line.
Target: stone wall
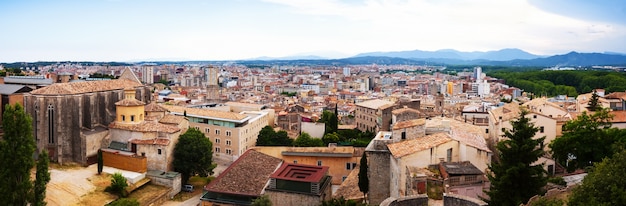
pixel 280 198
pixel 171 180
pixel 459 200
pixel 415 200
pixel 378 173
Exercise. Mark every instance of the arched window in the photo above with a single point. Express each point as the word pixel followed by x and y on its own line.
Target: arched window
pixel 50 124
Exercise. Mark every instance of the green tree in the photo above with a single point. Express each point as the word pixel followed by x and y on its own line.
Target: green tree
pixel 17 147
pixel 341 202
pixel 305 140
pixel 100 162
pixel 42 177
pixel 585 140
pixel 124 202
pixel 513 179
pixel 118 185
pixel 604 185
pixel 193 154
pixel 267 137
pixel 593 104
pixel 364 181
pixel 330 138
pixel 264 200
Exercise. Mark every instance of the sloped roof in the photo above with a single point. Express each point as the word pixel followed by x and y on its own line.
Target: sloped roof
pixel 507 112
pixel 172 119
pixel 248 175
pixel 154 107
pixel 205 112
pixel 157 141
pixel 8 89
pixel 402 110
pixel 409 123
pixel 375 104
pixel 85 87
pixel 401 149
pixel 145 126
pixel 349 188
pixel 129 102
pixel 128 74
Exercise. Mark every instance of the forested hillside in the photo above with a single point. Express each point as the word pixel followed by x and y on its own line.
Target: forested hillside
pixel 571 83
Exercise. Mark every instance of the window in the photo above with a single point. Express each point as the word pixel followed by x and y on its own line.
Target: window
pixel 132 118
pixel 449 155
pixel 541 129
pixel 295 161
pixel 319 162
pixel 217 132
pixel 403 135
pixel 51 124
pixel 207 130
pixel 228 142
pixel 228 133
pixel 228 151
pixel 158 151
pixel 487 131
pixel 123 118
pixel 535 116
pixel 217 150
pixel 348 166
pixel 343 178
pixel 217 140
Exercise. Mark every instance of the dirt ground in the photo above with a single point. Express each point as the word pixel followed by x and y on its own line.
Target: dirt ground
pixel 76 185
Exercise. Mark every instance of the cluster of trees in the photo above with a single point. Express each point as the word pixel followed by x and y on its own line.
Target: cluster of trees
pixel 269 137
pixel 589 143
pixel 193 155
pixel 17 147
pixel 587 140
pixel 571 83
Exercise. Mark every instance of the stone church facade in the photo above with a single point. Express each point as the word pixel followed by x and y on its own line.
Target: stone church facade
pixel 70 119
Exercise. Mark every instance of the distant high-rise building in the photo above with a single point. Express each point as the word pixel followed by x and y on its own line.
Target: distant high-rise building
pixel 346 71
pixel 477 74
pixel 147 74
pixel 213 89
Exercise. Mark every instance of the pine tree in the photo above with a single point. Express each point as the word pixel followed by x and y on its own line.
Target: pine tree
pixel 42 177
pixel 513 179
pixel 364 182
pixel 17 147
pixel 593 104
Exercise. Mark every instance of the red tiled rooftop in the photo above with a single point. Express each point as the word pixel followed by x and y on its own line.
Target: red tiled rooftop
pixel 300 173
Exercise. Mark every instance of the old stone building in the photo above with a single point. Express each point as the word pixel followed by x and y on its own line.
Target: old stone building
pixel 66 116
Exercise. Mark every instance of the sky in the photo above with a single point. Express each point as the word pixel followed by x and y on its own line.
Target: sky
pixel 130 30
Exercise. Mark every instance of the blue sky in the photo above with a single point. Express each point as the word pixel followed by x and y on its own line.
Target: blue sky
pixel 122 30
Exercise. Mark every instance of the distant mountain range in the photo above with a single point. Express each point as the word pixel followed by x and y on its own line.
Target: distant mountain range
pixel 504 57
pixel 500 55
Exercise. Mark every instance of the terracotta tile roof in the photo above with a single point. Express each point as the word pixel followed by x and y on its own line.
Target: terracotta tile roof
pixel 145 126
pixel 402 110
pixel 241 104
pixel 129 75
pixel 507 112
pixel 409 123
pixel 158 141
pixel 154 107
pixel 172 119
pixel 246 176
pixel 130 102
pixel 349 188
pixel 401 149
pixel 86 87
pixel 615 95
pixel 375 104
pixel 618 116
pixel 205 112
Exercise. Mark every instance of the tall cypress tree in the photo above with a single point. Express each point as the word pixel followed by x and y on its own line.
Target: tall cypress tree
pixel 364 182
pixel 593 104
pixel 42 177
pixel 513 179
pixel 17 147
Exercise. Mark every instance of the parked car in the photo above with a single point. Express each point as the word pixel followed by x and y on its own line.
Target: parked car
pixel 187 188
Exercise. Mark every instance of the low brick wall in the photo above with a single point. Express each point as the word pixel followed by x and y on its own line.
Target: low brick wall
pixel 124 161
pixel 414 200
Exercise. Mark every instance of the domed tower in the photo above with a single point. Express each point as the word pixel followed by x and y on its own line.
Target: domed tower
pixel 129 110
